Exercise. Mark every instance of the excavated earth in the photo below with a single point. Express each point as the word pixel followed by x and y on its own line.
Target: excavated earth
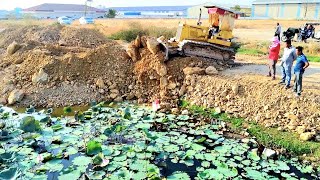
pixel 57 66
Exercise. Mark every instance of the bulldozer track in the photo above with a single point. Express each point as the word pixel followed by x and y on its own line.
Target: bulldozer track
pixel 207 50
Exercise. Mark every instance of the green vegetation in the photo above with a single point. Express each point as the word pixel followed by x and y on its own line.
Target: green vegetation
pixel 269 137
pixel 136 29
pixel 137 143
pixel 313 58
pixel 237 8
pixel 253 52
pixel 112 13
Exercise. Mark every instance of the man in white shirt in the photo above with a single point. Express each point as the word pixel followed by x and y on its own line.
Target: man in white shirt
pixel 278 31
pixel 289 55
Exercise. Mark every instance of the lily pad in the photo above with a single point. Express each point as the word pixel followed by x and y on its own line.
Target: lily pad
pixel 93 148
pixel 179 176
pixel 29 124
pixel 10 174
pixel 82 161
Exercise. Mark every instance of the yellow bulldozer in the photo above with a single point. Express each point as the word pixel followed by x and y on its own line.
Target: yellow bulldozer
pixel 212 41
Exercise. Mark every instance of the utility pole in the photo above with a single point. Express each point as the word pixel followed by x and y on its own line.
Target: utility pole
pixel 86 7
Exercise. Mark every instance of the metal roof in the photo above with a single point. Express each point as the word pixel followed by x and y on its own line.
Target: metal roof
pixel 152 8
pixel 61 7
pixel 225 9
pixel 284 1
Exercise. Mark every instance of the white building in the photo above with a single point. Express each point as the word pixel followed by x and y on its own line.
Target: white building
pixel 53 11
pixel 151 11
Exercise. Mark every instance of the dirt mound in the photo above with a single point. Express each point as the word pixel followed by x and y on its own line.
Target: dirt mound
pixel 82 37
pixel 18 34
pixel 53 34
pixel 264 102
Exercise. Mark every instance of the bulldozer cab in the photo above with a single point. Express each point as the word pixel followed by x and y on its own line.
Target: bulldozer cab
pixel 222 20
pixel 219 30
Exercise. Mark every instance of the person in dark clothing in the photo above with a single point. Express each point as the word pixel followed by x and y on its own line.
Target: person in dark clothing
pixel 301 65
pixel 278 31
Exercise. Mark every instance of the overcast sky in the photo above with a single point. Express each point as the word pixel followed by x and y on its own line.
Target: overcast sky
pixel 11 4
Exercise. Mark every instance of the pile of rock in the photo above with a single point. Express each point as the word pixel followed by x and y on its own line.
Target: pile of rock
pixel 256 101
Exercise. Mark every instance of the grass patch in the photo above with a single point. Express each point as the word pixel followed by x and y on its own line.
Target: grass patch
pixel 313 58
pixel 254 52
pixel 136 29
pixel 269 137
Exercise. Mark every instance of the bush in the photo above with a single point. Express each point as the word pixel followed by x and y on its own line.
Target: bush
pixel 127 35
pixel 136 29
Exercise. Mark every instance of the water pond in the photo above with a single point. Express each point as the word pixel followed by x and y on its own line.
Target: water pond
pixel 130 142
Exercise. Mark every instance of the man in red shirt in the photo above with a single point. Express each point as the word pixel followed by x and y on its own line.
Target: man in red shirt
pixel 274 51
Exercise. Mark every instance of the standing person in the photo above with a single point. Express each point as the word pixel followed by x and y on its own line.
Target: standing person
pixel 274 50
pixel 301 65
pixel 289 55
pixel 278 31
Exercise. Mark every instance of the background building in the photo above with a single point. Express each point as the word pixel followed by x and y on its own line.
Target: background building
pixel 286 9
pixel 53 11
pixel 151 11
pixel 194 11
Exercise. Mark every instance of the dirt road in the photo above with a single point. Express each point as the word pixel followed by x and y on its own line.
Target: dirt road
pixel 311 76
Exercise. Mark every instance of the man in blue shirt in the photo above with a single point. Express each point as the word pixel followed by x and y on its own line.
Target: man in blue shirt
pixel 289 55
pixel 301 64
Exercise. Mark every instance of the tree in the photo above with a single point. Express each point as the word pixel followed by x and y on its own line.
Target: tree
pixel 237 8
pixel 112 13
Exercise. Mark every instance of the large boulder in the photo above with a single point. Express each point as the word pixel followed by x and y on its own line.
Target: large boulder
pixel 40 77
pixel 211 70
pixel 137 42
pixel 100 83
pixel 193 70
pixel 133 52
pixel 13 47
pixel 306 136
pixel 15 96
pixel 3 101
pixel 153 45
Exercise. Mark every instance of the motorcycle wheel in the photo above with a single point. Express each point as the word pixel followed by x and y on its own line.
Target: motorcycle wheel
pixel 284 38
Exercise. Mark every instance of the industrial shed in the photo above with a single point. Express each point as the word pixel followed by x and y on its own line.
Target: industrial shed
pixel 194 11
pixel 286 9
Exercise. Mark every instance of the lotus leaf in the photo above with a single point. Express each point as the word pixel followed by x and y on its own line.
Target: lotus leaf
pixel 197 147
pixel 205 164
pixel 29 124
pixel 98 159
pixel 67 110
pixel 179 176
pixel 82 161
pixel 283 166
pixel 200 169
pixel 139 175
pixel 253 174
pixel 305 169
pixel 171 148
pixel 96 175
pixel 112 167
pixel 254 156
pixel 93 148
pixel 246 162
pixel 54 165
pixel 201 140
pixel 10 174
pixel 209 157
pixel 188 162
pixel 73 175
pixel 56 127
pixel 183 117
pixel 120 158
pixel 40 177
